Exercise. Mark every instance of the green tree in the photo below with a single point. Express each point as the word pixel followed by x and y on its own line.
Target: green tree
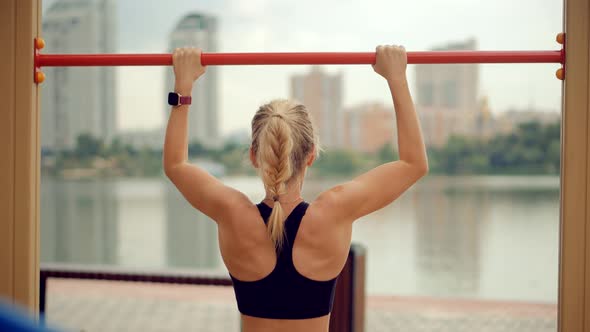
pixel 116 148
pixel 195 148
pixel 87 147
pixel 338 162
pixel 386 154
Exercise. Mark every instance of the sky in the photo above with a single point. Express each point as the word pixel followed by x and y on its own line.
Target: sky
pixel 336 26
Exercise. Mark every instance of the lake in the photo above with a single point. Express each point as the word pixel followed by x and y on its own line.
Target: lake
pixel 477 237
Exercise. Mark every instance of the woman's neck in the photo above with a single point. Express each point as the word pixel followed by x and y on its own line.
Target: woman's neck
pixel 291 196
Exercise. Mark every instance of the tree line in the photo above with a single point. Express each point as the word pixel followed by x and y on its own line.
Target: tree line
pixel 532 148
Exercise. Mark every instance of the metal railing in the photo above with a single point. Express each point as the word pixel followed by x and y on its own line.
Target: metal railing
pixel 348 314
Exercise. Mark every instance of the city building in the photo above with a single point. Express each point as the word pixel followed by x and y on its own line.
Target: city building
pixel 368 127
pixel 321 93
pixel 198 30
pixel 485 122
pixel 446 97
pixel 78 100
pixel 453 86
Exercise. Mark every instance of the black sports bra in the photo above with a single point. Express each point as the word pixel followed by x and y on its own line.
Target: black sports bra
pixel 284 293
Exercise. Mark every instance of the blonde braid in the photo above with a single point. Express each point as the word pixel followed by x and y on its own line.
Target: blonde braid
pixel 282 138
pixel 276 145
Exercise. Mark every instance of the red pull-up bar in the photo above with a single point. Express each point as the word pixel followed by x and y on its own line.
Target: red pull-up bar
pixel 314 58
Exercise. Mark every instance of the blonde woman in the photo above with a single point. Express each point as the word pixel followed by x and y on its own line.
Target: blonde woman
pixel 284 254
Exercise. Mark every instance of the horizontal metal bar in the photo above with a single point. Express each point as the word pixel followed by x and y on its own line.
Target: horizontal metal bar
pixel 195 277
pixel 319 58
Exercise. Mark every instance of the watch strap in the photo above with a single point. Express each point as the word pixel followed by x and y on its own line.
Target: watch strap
pixel 185 100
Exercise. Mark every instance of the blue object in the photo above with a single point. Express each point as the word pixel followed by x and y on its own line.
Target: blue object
pixel 15 319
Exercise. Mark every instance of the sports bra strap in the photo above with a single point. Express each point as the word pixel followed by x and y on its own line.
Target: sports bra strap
pixel 292 222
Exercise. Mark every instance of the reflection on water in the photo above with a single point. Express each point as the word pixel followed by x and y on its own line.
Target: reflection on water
pixel 191 238
pixel 448 227
pixel 79 222
pixel 475 237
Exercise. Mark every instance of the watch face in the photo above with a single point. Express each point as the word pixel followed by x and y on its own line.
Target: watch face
pixel 173 99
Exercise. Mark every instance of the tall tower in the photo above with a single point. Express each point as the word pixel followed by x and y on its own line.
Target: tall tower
pixel 446 97
pixel 78 101
pixel 452 86
pixel 369 127
pixel 199 30
pixel 321 93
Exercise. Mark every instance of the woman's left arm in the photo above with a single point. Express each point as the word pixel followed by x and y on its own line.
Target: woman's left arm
pixel 201 189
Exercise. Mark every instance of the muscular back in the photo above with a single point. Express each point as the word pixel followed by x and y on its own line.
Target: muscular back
pixel 320 251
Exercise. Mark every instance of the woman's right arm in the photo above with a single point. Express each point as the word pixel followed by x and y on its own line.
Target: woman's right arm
pixel 383 184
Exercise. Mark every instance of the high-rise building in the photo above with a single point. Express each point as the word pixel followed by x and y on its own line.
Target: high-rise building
pixel 321 93
pixel 78 101
pixel 446 97
pixel 452 86
pixel 199 30
pixel 368 127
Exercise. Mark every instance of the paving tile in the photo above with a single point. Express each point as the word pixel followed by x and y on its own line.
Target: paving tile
pixel 89 306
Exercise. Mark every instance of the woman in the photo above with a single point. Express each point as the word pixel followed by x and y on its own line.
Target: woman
pixel 284 254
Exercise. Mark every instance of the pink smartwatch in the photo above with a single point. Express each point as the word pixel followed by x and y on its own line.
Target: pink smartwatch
pixel 175 99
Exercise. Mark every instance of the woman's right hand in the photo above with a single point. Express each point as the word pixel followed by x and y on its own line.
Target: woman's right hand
pixel 391 62
pixel 187 68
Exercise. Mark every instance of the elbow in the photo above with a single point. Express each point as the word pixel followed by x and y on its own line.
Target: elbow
pixel 170 170
pixel 171 163
pixel 418 168
pixel 421 169
pixel 422 165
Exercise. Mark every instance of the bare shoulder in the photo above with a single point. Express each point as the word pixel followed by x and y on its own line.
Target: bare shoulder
pixel 331 206
pixel 238 208
pixel 369 191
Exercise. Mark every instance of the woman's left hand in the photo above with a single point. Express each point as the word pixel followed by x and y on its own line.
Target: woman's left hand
pixel 187 67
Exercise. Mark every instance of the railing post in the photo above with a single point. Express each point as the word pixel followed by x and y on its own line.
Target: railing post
pixel 358 288
pixel 42 292
pixel 348 314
